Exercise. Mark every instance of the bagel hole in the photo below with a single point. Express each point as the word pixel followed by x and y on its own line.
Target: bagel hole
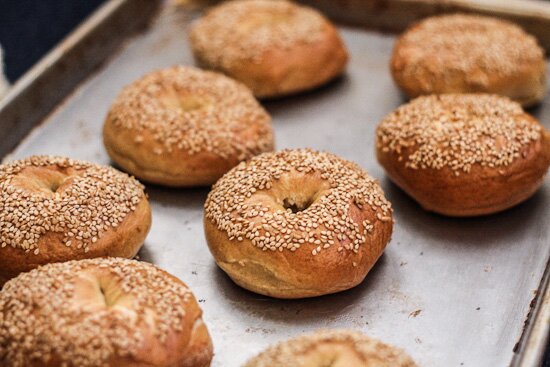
pixel 183 102
pixel 108 300
pixel 104 295
pixel 54 185
pixel 48 180
pixel 110 292
pixel 295 206
pixel 334 355
pixel 296 191
pixel 191 104
pixel 54 182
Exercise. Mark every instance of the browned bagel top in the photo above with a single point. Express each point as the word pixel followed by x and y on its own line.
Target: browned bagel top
pixel 87 312
pixel 468 44
pixel 78 200
pixel 458 131
pixel 245 29
pixel 284 200
pixel 331 347
pixel 187 109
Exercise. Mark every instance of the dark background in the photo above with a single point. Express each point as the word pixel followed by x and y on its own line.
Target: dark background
pixel 30 28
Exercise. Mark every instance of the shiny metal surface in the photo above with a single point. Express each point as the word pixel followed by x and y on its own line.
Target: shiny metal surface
pixel 451 292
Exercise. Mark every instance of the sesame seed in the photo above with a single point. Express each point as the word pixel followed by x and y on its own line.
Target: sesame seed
pixel 88 194
pixel 341 185
pixel 475 47
pixel 301 350
pixel 190 110
pixel 457 131
pixel 42 316
pixel 222 38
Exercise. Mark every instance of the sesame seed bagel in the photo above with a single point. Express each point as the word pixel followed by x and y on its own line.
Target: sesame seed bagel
pixel 334 348
pixel 469 53
pixel 182 126
pixel 56 209
pixel 464 154
pixel 276 48
pixel 101 312
pixel 297 223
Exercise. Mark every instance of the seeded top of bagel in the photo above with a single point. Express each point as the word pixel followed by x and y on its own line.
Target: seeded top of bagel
pixel 246 29
pixel 458 131
pixel 300 350
pixel 469 42
pixel 42 314
pixel 194 111
pixel 96 199
pixel 324 222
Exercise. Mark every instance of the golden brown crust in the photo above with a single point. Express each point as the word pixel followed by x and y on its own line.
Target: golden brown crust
pixel 468 54
pixel 175 169
pixel 331 348
pixel 295 274
pixel 276 48
pixel 67 210
pixel 297 223
pixel 461 181
pixel 185 127
pixel 109 312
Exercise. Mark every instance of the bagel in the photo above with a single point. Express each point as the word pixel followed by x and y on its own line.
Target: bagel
pixel 334 348
pixel 101 312
pixel 185 127
pixel 297 223
pixel 276 48
pixel 55 209
pixel 469 54
pixel 464 154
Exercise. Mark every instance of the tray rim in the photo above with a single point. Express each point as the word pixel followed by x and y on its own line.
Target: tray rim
pixel 531 346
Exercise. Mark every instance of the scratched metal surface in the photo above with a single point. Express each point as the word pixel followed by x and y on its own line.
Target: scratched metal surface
pixel 451 292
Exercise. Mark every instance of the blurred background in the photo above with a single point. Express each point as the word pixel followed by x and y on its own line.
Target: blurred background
pixel 30 28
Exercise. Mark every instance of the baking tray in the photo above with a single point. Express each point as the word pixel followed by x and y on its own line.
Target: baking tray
pixel 451 292
pixel 396 15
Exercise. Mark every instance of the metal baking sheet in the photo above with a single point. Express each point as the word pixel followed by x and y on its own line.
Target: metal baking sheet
pixel 451 292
